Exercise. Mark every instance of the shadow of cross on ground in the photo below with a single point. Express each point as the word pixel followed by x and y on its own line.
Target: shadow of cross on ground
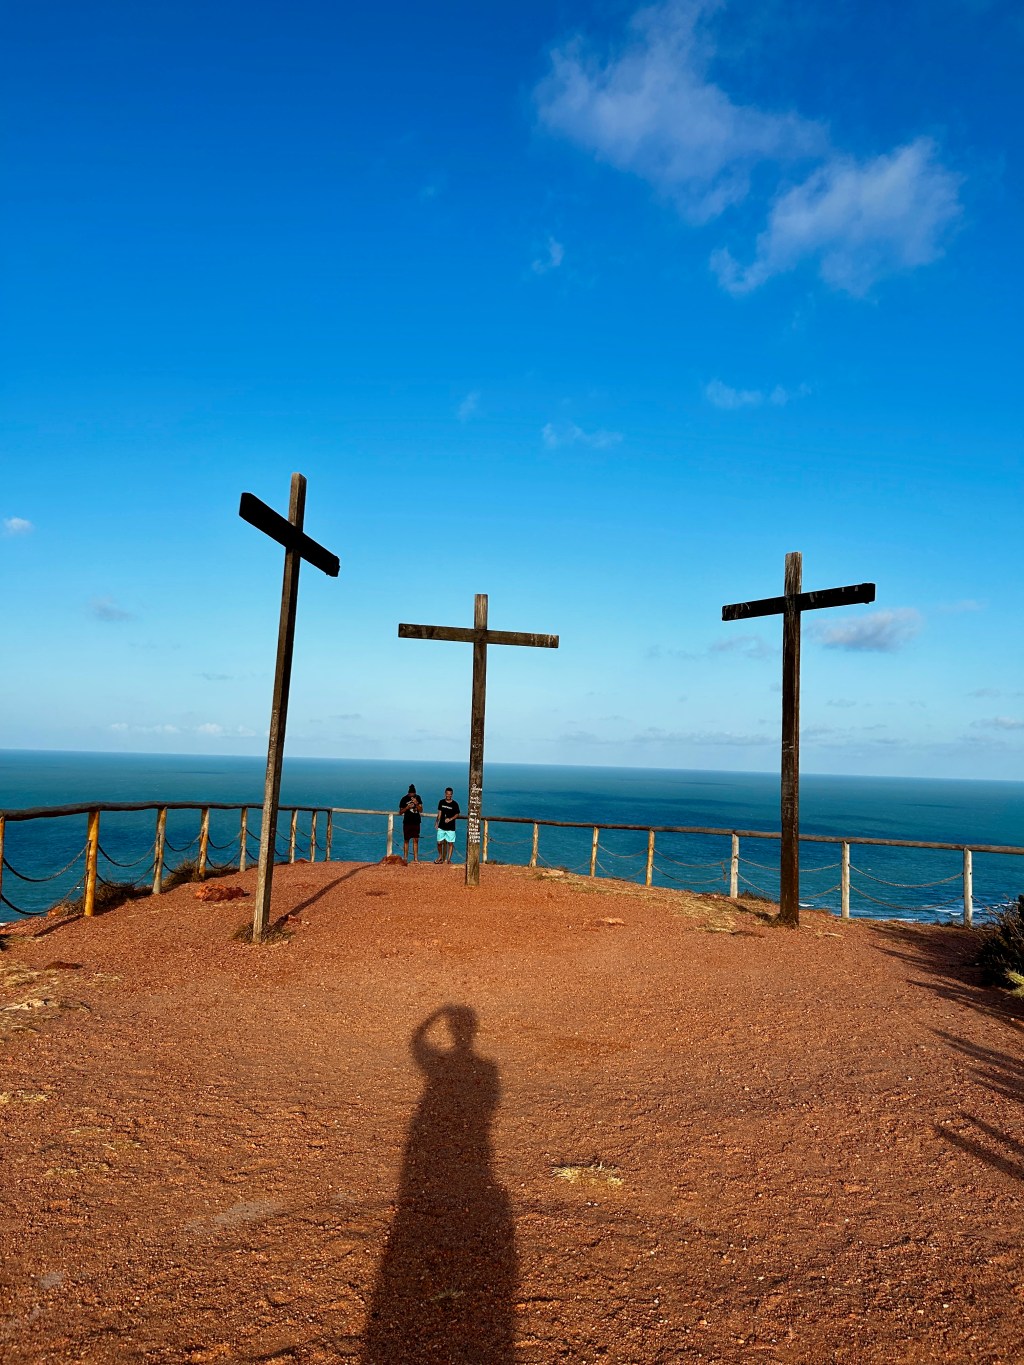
pixel 949 960
pixel 446 1285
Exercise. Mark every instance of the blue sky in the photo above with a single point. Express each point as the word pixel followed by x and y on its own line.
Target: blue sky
pixel 595 309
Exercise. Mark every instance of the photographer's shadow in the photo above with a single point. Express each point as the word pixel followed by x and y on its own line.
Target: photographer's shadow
pixel 445 1289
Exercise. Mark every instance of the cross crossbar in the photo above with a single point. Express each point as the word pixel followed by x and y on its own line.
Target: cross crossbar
pixel 470 637
pixel 804 601
pixel 271 523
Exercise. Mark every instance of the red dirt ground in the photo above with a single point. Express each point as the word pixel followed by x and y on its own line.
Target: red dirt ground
pixel 546 1120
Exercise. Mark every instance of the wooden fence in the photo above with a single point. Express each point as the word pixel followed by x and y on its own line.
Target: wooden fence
pixel 297 846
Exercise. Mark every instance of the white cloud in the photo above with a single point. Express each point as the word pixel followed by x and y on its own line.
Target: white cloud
pixel 967 604
pixel 883 632
pixel 749 646
pixel 468 407
pixel 122 727
pixel 568 434
pixel 723 396
pixel 720 395
pixel 106 609
pixel 551 261
pixel 651 110
pixel 1000 723
pixel 859 221
pixel 17 526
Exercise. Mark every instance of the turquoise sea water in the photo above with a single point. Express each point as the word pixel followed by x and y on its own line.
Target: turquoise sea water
pixel 921 884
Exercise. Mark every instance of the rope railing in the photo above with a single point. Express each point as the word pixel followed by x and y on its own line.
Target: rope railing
pixel 321 836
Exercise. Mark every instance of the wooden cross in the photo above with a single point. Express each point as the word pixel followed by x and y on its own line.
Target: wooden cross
pixel 790 606
pixel 479 637
pixel 297 547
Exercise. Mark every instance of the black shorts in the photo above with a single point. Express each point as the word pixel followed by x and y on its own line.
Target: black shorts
pixel 410 826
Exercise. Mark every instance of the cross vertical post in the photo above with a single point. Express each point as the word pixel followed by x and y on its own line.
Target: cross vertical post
pixel 789 863
pixel 479 637
pixel 297 547
pixel 789 607
pixel 476 739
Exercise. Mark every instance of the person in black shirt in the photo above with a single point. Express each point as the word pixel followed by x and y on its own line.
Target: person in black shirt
pixel 447 810
pixel 410 808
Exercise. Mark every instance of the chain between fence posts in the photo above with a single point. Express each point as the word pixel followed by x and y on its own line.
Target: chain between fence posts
pixel 92 859
pixel 483 853
pixel 204 842
pixel 593 851
pixel 329 836
pixel 292 833
pixel 844 880
pixel 536 840
pixel 968 889
pixel 312 837
pixel 734 869
pixel 649 874
pixel 391 833
pixel 243 835
pixel 158 850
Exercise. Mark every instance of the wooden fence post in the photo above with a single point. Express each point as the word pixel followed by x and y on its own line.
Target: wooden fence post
pixel 3 822
pixel 243 837
pixel 204 842
pixel 649 876
pixel 536 841
pixel 329 836
pixel 486 837
pixel 92 858
pixel 593 851
pixel 292 834
pixel 845 881
pixel 968 889
pixel 391 833
pixel 734 869
pixel 158 850
pixel 312 837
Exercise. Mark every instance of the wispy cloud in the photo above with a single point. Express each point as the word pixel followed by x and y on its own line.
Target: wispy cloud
pixel 209 729
pixel 554 254
pixel 748 646
pixel 723 396
pixel 469 406
pixel 17 526
pixel 106 609
pixel 720 395
pixel 1000 723
pixel 967 605
pixel 569 434
pixel 859 221
pixel 843 703
pixel 654 735
pixel 651 110
pixel 883 632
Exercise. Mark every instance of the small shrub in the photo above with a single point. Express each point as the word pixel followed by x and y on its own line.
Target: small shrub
pixel 109 895
pixel 1001 955
pixel 185 872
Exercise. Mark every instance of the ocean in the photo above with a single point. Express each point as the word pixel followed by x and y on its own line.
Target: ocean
pixel 901 883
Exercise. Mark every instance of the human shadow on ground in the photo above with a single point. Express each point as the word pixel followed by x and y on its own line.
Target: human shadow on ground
pixel 446 1284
